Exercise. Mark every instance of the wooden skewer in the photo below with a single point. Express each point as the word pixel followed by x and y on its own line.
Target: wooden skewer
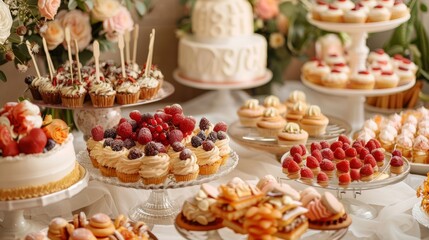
pixel 96 51
pixel 121 50
pixel 127 46
pixel 48 59
pixel 136 37
pixel 27 43
pixel 150 53
pixel 69 51
pixel 76 47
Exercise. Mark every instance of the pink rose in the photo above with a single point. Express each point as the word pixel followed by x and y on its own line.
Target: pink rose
pixel 24 117
pixel 54 34
pixel 80 27
pixel 267 9
pixel 118 24
pixel 48 8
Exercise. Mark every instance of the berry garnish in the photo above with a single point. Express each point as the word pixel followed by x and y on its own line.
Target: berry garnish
pixel 364 72
pixel 178 146
pixel 286 162
pixel 221 135
pixel 366 170
pixel 306 173
pixel 335 145
pixel 297 158
pixel 202 135
pixel 50 144
pixel 185 154
pixel 124 130
pixel 117 145
pixel 135 153
pixel 322 177
pixel 293 167
pixel 344 139
pixel 11 149
pixel 204 124
pixel 208 145
pixel 343 166
pixel 196 141
pixel 177 119
pixel 175 136
pixel 355 163
pixel 29 79
pixel 312 162
pixel 327 153
pixel 110 133
pixel 97 133
pixel 378 155
pixel 136 115
pixel 144 136
pixel 151 149
pixel 173 109
pixel 396 161
pixel 220 126
pixel 296 149
pixel 355 174
pixel 187 125
pixel 212 136
pixel 316 154
pixel 129 143
pixel 396 152
pixel 107 142
pixel 327 165
pixel 314 146
pixel 324 144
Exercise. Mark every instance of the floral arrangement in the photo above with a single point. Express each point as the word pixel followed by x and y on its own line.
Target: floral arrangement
pixel 282 22
pixel 88 20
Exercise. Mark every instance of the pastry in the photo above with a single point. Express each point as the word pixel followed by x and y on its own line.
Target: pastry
pixel 386 80
pixel 313 164
pixel 314 122
pixel 333 14
pixel 294 97
pixel 420 149
pixel 322 179
pixel 73 95
pixel 405 75
pixel 50 92
pixel 207 154
pixel 366 173
pixel 342 67
pixel 342 166
pixel 127 91
pixel 250 113
pixel 306 175
pixel 399 10
pixel 379 14
pixel 110 155
pixel 316 73
pixel 384 65
pixel 335 79
pixel 57 229
pixel 149 87
pixel 155 165
pixel 407 63
pixel 34 83
pixel 96 140
pixel 271 123
pixel 296 113
pixel 292 134
pixel 101 226
pixel 82 234
pixel 333 58
pixel 344 179
pixel 386 3
pixel 368 3
pixel 274 101
pixel 362 80
pixel 266 182
pixel 102 94
pixel 38 236
pixel 252 222
pixel 127 168
pixel 387 139
pixel 344 5
pixel 376 71
pixel 355 15
pixel 317 8
pixel 185 168
pixel 327 167
pixel 396 165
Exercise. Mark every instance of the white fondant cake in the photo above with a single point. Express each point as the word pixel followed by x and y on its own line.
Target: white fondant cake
pixel 224 48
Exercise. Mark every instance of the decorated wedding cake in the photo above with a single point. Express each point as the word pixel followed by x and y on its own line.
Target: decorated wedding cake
pixel 223 47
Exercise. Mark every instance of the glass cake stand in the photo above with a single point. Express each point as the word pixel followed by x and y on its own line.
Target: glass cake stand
pixel 88 116
pixel 15 226
pixel 158 208
pixel 382 178
pixel 248 136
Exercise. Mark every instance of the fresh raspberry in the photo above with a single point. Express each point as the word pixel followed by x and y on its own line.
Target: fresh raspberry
pixel 357 143
pixel 177 119
pixel 97 133
pixel 378 155
pixel 336 145
pixel 306 173
pixel 312 162
pixel 178 146
pixel 122 120
pixel 316 154
pixel 107 142
pixel 34 142
pixel 314 146
pixel 296 149
pixel 339 154
pixel 192 119
pixel 327 153
pixel 322 177
pixel 146 117
pixel 144 136
pixel 293 167
pixel 355 163
pixel 208 145
pixel 346 146
pixel 220 126
pixel 161 147
pixel 163 116
pixel 303 148
pixel 297 158
pixel 202 135
pixel 363 153
pixel 136 115
pixel 173 109
pixel 11 149
pixel 133 124
pixel 5 137
pixel 204 124
pixel 124 130
pixel 344 178
pixel 327 165
pixel 324 144
pixel 355 174
pixel 117 145
pixel 286 162
pixel 377 143
pixel 221 135
pixel 366 170
pixel 175 136
pixel 50 144
pixel 135 153
pixel 351 152
pixel 344 139
pixel 396 161
pixel 196 141
pixel 187 125
pixel 212 136
pixel 185 154
pixel 129 143
pixel 396 152
pixel 369 159
pixel 358 149
pixel 110 133
pixel 370 145
pixel 343 166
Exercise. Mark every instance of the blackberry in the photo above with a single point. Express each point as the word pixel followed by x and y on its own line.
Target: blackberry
pixel 185 154
pixel 133 124
pixel 110 133
pixel 151 149
pixel 29 79
pixel 108 142
pixel 117 145
pixel 212 136
pixel 178 146
pixel 160 147
pixel 129 143
pixel 196 141
pixel 135 153
pixel 50 144
pixel 204 123
pixel 221 135
pixel 202 135
pixel 208 145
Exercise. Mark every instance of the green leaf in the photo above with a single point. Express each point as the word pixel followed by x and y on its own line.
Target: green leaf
pixel 2 76
pixel 129 4
pixel 89 4
pixel 14 38
pixel 72 4
pixel 140 7
pixel 423 7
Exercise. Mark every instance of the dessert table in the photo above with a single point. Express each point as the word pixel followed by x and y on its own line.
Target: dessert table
pixel 393 203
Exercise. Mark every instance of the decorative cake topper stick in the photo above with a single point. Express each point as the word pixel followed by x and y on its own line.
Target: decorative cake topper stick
pixel 136 38
pixel 150 53
pixel 96 51
pixel 127 46
pixel 69 51
pixel 32 57
pixel 121 50
pixel 76 47
pixel 48 59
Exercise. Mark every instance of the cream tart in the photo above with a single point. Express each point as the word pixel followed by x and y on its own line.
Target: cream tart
pixel 387 80
pixel 355 15
pixel 294 97
pixel 344 5
pixel 314 122
pixel 297 112
pixel 379 14
pixel 333 14
pixel 274 101
pixel 335 79
pixel 271 123
pixel 250 113
pixel 399 10
pixel 362 80
pixel 292 134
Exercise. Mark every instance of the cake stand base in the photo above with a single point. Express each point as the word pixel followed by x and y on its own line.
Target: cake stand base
pixel 15 226
pixel 159 209
pixel 355 114
pixel 359 208
pixel 86 119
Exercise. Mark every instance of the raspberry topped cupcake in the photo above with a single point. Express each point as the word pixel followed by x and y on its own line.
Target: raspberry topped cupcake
pixel 378 55
pixel 102 94
pixel 344 5
pixel 222 142
pixel 387 3
pixel 73 95
pixel 335 79
pixel 185 168
pixel 368 3
pixel 399 10
pixel 355 15
pixel 405 75
pixel 317 8
pixel 362 80
pixel 387 80
pixel 149 87
pixel 127 91
pixel 333 14
pixel 379 14
pixel 316 74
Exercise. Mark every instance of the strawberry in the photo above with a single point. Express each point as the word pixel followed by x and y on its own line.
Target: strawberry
pixel 296 149
pixel 314 146
pixel 312 162
pixel 175 136
pixel 378 155
pixel 343 166
pixel 346 146
pixel 336 145
pixel 5 137
pixel 144 136
pixel 351 152
pixel 316 154
pixel 396 152
pixel 358 149
pixel 177 119
pixel 356 163
pixel 396 161
pixel 293 167
pixel 34 142
pixel 327 165
pixel 322 177
pixel 344 139
pixel 11 149
pixel 173 109
pixel 306 173
pixel 357 143
pixel 304 150
pixel 339 154
pixel 327 153
pixel 363 153
pixel 286 162
pixel 366 170
pixel 369 159
pixel 355 174
pixel 324 144
pixel 297 158
pixel 344 178
pixel 370 145
pixel 377 143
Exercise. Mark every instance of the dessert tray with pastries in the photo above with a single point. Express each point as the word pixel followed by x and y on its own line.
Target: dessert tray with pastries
pixel 420 210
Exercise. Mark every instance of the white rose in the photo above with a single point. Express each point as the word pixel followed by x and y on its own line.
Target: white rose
pixel 80 27
pixel 54 34
pixel 104 9
pixel 5 21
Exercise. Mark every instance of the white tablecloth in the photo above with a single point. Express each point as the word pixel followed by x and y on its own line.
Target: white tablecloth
pixel 394 203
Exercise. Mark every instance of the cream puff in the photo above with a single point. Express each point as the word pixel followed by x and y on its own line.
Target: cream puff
pixel 333 14
pixel 362 80
pixel 296 112
pixel 317 8
pixel 344 5
pixel 399 10
pixel 386 80
pixel 335 79
pixel 314 122
pixel 292 134
pixel 379 14
pixel 355 15
pixel 271 123
pixel 250 113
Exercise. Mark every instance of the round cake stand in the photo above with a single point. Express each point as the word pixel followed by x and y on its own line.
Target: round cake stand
pixel 353 205
pixel 158 208
pixel 356 99
pixel 15 226
pixel 88 116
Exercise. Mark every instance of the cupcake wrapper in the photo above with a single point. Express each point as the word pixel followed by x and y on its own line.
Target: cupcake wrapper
pixel 51 97
pixel 148 93
pixel 107 171
pixel 102 100
pixel 94 162
pixel 184 178
pixel 209 168
pixel 249 122
pixel 127 98
pixel 314 131
pixel 73 101
pixel 157 180
pixel 35 93
pixel 128 178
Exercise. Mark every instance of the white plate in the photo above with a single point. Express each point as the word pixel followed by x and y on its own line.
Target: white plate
pixel 420 215
pixel 419 168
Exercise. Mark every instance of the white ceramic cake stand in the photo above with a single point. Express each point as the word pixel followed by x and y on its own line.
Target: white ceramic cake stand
pixel 88 116
pixel 15 226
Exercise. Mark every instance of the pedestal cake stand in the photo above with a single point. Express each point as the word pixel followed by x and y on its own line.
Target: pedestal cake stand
pixel 15 226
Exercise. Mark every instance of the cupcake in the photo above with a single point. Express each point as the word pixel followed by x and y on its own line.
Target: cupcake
pixel 387 3
pixel 316 73
pixel 174 151
pixel 73 96
pixel 333 14
pixel 399 10
pixel 405 75
pixel 250 113
pixel 314 122
pixel 207 154
pixel 155 165
pixel 378 55
pixel 333 58
pixel 407 63
pixel 383 64
pixel 110 155
pixel 344 5
pixel 127 91
pixel 317 8
pixel 355 15
pixel 50 92
pixel 420 150
pixel 185 168
pixel 362 80
pixel 34 83
pixel 149 87
pixel 368 3
pixel 274 101
pixel 296 113
pixel 386 80
pixel 102 94
pixel 292 134
pixel 335 79
pixel 127 168
pixel 294 97
pixel 154 72
pixel 222 142
pixel 379 14
pixel 271 123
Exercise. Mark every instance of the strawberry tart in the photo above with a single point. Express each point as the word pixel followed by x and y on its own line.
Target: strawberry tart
pixel 37 156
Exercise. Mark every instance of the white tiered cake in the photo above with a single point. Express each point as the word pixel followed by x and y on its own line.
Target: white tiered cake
pixel 224 48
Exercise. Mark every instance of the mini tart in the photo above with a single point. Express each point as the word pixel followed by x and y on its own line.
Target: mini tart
pixel 386 80
pixel 362 80
pixel 294 97
pixel 316 74
pixel 274 101
pixel 399 10
pixel 317 8
pixel 344 5
pixel 271 123
pixel 333 14
pixel 378 55
pixel 379 14
pixel 355 15
pixel 336 79
pixel 405 75
pixel 314 122
pixel 296 113
pixel 292 134
pixel 250 113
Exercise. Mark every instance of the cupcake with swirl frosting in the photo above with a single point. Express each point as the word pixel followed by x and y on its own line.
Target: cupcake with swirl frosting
pixel 207 154
pixel 185 168
pixel 294 97
pixel 274 101
pixel 250 113
pixel 314 122
pixel 127 91
pixel 73 95
pixel 102 94
pixel 271 123
pixel 296 113
pixel 112 152
pixel 128 167
pixel 149 87
pixel 50 92
pixel 155 165
pixel 292 134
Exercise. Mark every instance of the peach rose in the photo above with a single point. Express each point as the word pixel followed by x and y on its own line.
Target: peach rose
pixel 54 34
pixel 118 24
pixel 267 9
pixel 104 9
pixel 24 117
pixel 57 129
pixel 48 8
pixel 282 23
pixel 80 27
